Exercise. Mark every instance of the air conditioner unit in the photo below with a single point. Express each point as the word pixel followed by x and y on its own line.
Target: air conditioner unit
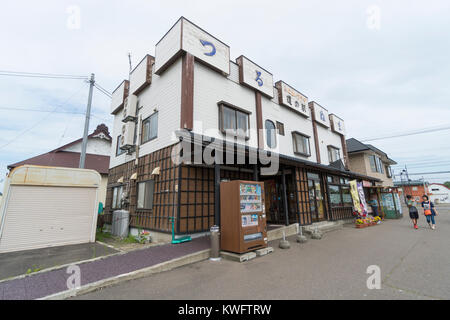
pixel 129 108
pixel 127 137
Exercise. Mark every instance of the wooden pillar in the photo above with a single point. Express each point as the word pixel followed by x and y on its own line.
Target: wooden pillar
pixel 259 120
pixel 187 92
pixel 285 203
pixel 315 132
pixel 217 194
pixel 255 172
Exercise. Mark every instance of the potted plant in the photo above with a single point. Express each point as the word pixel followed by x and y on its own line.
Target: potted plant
pixel 360 223
pixel 144 236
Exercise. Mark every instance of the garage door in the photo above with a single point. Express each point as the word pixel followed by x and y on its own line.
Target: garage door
pixel 45 216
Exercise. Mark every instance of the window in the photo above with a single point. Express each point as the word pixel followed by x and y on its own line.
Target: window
pixel 271 136
pixel 346 196
pixel 335 195
pixel 376 165
pixel 234 120
pixel 117 197
pixel 145 194
pixel 301 144
pixel 280 127
pixel 150 128
pixel 118 150
pixel 389 171
pixel 333 154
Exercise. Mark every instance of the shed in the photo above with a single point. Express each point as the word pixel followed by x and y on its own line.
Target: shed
pixel 48 206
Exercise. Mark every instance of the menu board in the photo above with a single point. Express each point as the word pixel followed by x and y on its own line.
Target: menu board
pixel 250 199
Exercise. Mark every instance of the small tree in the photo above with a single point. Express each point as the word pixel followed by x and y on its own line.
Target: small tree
pixel 447 184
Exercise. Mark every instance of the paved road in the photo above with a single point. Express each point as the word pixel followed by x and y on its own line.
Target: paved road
pixel 415 264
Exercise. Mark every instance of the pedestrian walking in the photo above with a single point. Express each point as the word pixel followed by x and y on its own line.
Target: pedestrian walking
pixel 413 212
pixel 429 211
pixel 373 202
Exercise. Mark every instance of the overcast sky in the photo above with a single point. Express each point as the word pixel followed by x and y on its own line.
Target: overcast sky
pixel 380 65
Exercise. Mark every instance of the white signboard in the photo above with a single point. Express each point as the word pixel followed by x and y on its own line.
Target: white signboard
pixel 321 114
pixel 205 47
pixel 254 76
pixel 291 98
pixel 338 125
pixel 186 36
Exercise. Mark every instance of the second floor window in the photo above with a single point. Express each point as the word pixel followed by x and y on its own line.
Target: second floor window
pixel 389 171
pixel 150 128
pixel 301 144
pixel 234 121
pixel 376 165
pixel 271 136
pixel 333 154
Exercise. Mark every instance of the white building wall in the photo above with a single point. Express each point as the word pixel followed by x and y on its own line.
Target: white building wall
pixel 439 192
pixel 292 122
pixel 94 146
pixel 164 95
pixel 210 87
pixel 327 137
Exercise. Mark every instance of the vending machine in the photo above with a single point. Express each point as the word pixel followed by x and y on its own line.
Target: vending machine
pixel 243 225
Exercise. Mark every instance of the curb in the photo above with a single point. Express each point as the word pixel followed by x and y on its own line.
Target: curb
pixel 163 266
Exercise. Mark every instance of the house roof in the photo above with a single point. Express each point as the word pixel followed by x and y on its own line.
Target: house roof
pixel 354 146
pixel 61 158
pixel 67 159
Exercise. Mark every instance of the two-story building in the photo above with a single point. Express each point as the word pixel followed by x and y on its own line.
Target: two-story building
pixel 371 161
pixel 189 118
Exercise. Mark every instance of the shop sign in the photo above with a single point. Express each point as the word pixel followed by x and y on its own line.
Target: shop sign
pixel 355 196
pixel 252 75
pixel 321 115
pixel 338 125
pixel 362 198
pixel 186 36
pixel 291 98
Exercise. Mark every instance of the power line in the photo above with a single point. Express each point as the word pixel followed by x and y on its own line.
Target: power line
pixel 424 173
pixel 104 91
pixel 410 133
pixel 41 120
pixel 41 75
pixel 51 111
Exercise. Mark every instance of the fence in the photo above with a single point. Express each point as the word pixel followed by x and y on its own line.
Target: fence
pixel 341 213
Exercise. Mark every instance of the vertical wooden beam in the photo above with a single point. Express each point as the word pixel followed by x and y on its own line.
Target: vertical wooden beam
pixel 187 92
pixel 217 194
pixel 285 203
pixel 316 135
pixel 344 151
pixel 255 172
pixel 259 120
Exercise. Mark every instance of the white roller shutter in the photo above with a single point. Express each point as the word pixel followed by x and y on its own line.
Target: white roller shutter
pixel 44 216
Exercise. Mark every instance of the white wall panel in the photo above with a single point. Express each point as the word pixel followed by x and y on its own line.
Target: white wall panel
pixel 168 46
pixel 255 76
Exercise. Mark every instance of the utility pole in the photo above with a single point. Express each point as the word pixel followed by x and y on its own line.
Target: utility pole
pixel 86 122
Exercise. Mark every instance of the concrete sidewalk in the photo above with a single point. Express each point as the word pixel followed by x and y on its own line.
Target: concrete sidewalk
pixel 44 284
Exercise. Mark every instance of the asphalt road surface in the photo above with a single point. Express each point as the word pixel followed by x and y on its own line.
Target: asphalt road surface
pixel 414 264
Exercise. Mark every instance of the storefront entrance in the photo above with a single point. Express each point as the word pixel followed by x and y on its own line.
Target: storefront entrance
pixel 316 200
pixel 274 199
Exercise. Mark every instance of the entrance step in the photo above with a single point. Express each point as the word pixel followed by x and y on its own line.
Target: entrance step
pixel 323 227
pixel 277 233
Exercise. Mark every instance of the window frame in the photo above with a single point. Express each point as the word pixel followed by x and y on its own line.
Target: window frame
pixel 116 199
pixel 333 148
pixel 236 109
pixel 280 127
pixel 294 140
pixel 274 133
pixel 118 150
pixel 145 193
pixel 154 114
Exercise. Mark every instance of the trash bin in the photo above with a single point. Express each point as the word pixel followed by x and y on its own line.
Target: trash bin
pixel 215 243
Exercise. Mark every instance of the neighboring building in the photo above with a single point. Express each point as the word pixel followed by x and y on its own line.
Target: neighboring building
pixel 97 156
pixel 191 84
pixel 414 188
pixel 368 160
pixel 439 193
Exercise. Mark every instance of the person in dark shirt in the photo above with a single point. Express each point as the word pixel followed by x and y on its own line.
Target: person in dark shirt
pixel 429 211
pixel 413 213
